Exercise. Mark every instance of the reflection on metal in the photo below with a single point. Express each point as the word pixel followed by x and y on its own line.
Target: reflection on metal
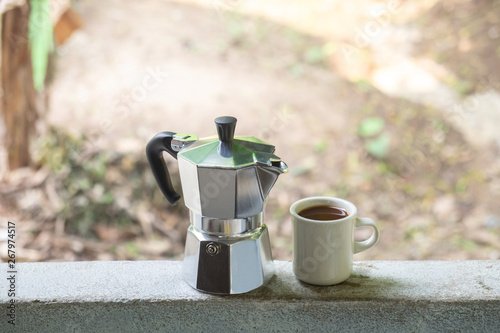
pixel 228 227
pixel 225 182
pixel 227 193
pixel 228 265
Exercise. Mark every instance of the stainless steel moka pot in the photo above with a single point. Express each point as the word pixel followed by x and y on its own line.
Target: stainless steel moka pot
pixel 225 182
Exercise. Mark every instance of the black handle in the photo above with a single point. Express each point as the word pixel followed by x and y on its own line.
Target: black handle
pixel 225 130
pixel 154 150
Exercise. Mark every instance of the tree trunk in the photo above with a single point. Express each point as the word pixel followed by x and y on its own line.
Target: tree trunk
pixel 19 97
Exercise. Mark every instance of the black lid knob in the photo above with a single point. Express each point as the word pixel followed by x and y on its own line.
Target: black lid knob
pixel 225 128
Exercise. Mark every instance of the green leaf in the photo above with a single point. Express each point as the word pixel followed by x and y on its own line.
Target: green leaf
pixel 379 147
pixel 371 126
pixel 463 87
pixel 320 146
pixel 363 85
pixel 314 54
pixel 41 39
pixel 107 198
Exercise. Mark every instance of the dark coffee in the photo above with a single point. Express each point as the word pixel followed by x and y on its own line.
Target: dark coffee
pixel 324 213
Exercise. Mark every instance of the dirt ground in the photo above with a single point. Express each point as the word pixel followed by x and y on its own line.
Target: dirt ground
pixel 306 76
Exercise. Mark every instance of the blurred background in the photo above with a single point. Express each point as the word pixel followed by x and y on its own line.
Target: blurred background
pixel 392 105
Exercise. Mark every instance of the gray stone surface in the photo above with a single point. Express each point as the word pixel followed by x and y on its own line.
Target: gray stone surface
pixel 380 296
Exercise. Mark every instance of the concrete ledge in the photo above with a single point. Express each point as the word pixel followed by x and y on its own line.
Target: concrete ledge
pixel 380 296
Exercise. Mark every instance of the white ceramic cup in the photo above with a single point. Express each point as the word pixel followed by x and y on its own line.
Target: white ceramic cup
pixel 322 250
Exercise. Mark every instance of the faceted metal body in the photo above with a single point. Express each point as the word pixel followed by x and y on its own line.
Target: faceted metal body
pixel 225 193
pixel 227 265
pixel 227 187
pixel 225 182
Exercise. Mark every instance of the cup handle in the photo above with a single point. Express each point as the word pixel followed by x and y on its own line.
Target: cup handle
pixel 366 244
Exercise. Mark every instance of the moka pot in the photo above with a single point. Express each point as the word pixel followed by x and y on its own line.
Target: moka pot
pixel 225 182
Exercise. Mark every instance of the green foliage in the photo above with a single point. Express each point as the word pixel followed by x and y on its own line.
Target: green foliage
pixel 371 126
pixel 364 85
pixel 314 54
pixel 317 54
pixel 321 146
pixel 41 40
pixel 132 249
pixel 379 147
pixel 95 186
pixel 376 146
pixel 463 88
pixel 463 243
pixel 440 125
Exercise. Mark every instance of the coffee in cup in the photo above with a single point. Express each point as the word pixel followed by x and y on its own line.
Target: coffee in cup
pixel 324 213
pixel 323 239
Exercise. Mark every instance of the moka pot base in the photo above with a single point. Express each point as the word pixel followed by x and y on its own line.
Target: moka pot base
pixel 227 264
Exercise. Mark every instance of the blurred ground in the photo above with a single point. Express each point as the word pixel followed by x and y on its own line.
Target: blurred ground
pixel 394 106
